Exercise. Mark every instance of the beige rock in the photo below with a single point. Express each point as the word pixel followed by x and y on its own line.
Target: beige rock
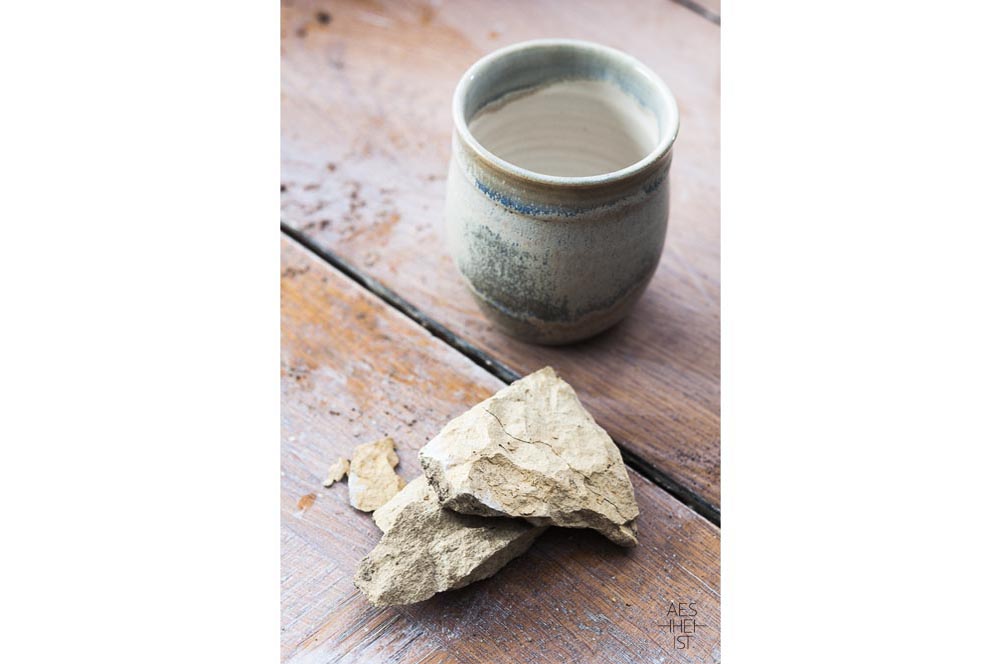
pixel 532 451
pixel 427 549
pixel 337 471
pixel 372 480
pixel 416 490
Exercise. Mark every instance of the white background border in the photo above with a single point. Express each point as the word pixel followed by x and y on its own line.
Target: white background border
pixel 860 331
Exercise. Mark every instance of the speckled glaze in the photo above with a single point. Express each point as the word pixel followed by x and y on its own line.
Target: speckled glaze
pixel 555 259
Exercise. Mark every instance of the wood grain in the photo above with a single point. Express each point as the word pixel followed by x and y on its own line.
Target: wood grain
pixel 710 9
pixel 366 89
pixel 353 370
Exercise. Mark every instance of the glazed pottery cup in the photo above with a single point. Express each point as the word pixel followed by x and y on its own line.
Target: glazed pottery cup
pixel 557 191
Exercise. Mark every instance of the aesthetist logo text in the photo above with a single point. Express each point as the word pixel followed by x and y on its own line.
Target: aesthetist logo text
pixel 681 622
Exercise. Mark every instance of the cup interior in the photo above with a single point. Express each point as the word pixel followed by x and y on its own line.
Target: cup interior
pixel 566 109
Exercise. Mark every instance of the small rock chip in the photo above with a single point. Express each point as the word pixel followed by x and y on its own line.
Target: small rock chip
pixel 337 471
pixel 372 480
pixel 533 451
pixel 427 549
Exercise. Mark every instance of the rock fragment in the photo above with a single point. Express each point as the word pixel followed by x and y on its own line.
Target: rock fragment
pixel 418 489
pixel 533 451
pixel 427 549
pixel 337 471
pixel 372 480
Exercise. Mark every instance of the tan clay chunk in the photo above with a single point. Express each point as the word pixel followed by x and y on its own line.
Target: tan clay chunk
pixel 372 480
pixel 386 515
pixel 533 451
pixel 337 471
pixel 427 549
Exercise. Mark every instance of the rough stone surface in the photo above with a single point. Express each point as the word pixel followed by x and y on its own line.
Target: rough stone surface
pixel 337 471
pixel 532 451
pixel 416 490
pixel 372 480
pixel 427 549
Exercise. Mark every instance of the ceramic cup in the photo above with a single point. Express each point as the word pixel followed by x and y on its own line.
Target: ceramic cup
pixel 557 190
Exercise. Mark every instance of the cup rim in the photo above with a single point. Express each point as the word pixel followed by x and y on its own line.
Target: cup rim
pixel 624 60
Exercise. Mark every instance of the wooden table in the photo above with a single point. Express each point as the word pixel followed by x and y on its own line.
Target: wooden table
pixel 380 338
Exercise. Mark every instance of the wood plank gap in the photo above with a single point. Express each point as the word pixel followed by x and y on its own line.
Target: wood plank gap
pixel 700 11
pixel 689 498
pixel 390 297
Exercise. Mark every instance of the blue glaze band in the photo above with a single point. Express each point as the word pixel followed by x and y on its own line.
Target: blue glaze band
pixel 536 210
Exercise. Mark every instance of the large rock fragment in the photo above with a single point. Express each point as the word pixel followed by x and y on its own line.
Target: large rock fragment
pixel 418 489
pixel 532 451
pixel 372 480
pixel 427 549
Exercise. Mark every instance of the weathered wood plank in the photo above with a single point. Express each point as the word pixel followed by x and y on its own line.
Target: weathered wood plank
pixel 353 369
pixel 366 89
